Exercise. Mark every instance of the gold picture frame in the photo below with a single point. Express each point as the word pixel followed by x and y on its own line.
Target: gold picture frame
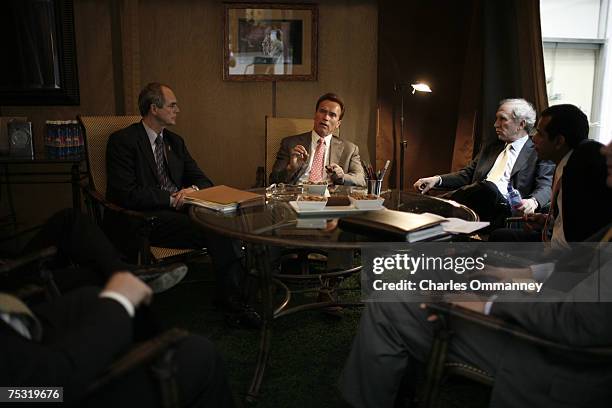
pixel 270 42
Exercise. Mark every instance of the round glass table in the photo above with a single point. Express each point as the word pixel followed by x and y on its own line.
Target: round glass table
pixel 276 224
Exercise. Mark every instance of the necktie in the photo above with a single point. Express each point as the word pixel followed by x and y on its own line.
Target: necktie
pixel 551 210
pixel 317 170
pixel 162 171
pixel 500 165
pixel 21 317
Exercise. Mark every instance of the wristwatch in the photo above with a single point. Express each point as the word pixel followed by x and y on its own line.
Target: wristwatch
pixel 195 187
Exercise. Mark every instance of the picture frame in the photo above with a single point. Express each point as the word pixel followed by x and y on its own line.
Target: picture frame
pixel 270 42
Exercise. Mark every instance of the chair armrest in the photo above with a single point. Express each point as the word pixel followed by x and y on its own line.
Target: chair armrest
pixel 100 199
pixel 37 256
pixel 495 323
pixel 139 355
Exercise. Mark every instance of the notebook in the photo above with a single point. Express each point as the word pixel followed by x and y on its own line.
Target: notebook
pixel 394 225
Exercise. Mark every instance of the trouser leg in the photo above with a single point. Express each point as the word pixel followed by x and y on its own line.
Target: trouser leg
pixel 176 230
pixel 392 337
pixel 80 241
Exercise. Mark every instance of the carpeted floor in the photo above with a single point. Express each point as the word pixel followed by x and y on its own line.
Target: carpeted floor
pixel 307 354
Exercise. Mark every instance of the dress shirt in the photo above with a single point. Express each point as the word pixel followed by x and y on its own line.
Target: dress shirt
pixel 513 153
pixel 313 147
pixel 152 137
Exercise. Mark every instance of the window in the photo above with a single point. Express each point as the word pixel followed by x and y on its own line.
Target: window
pixel 576 61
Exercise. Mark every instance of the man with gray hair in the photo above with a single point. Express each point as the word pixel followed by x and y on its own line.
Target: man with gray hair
pixel 483 183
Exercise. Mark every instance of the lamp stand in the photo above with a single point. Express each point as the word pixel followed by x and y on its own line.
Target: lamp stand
pixel 403 142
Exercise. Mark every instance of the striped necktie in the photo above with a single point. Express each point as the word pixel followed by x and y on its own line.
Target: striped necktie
pixel 162 170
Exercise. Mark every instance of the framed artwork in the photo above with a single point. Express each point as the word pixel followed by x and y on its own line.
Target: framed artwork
pixel 270 42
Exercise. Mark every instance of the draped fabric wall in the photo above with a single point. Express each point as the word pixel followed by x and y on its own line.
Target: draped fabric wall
pixel 511 64
pixel 473 53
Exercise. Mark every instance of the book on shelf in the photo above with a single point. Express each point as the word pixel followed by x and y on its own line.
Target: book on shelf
pixel 223 198
pixel 395 225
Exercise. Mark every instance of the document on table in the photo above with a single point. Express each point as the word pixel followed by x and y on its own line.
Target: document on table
pixel 459 226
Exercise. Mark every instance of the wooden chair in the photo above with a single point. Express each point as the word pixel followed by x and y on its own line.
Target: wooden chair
pixel 439 368
pixel 133 238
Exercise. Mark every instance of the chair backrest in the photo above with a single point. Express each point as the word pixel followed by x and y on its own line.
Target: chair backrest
pixel 279 128
pixel 96 131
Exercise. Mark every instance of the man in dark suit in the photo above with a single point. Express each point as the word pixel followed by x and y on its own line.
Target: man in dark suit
pixel 483 184
pixel 313 155
pixel 394 337
pixel 150 170
pixel 581 201
pixel 72 340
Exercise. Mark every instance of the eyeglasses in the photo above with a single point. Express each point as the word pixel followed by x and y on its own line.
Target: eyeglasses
pixel 172 106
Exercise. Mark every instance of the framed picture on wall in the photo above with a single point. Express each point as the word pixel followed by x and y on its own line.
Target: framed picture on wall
pixel 270 42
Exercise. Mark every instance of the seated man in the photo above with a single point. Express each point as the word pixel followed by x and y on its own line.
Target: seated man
pixel 581 201
pixel 72 340
pixel 150 170
pixel 394 337
pixel 86 257
pixel 483 184
pixel 313 155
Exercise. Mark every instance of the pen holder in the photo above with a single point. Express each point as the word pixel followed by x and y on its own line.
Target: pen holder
pixel 374 186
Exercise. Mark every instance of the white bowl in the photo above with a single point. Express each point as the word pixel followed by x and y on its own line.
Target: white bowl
pixel 310 205
pixel 367 204
pixel 315 189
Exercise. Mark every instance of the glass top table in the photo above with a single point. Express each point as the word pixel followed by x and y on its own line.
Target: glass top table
pixel 276 223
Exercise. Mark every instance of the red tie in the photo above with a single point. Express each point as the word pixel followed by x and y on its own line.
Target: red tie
pixel 317 169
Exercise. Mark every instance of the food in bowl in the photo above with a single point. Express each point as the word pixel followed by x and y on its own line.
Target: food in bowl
pixel 366 202
pixel 311 202
pixel 364 196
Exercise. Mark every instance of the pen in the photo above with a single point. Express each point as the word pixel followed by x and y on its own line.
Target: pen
pixel 384 170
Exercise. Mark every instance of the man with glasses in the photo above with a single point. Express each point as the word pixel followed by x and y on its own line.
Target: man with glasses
pixel 150 170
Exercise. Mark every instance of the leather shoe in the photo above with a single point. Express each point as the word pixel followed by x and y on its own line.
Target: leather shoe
pixel 161 278
pixel 239 314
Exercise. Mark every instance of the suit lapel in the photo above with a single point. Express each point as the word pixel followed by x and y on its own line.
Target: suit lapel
pixel 489 158
pixel 145 147
pixel 172 160
pixel 335 150
pixel 305 140
pixel 521 160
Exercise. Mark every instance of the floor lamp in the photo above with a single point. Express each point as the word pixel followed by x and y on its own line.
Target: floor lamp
pixel 420 87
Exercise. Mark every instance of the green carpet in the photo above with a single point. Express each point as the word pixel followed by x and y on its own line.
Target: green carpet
pixel 307 354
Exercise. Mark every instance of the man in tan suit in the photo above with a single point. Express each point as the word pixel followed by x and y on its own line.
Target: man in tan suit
pixel 315 155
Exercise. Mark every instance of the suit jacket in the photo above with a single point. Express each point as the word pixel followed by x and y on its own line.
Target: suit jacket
pixel 533 376
pixel 587 200
pixel 132 172
pixel 86 341
pixel 342 152
pixel 531 176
